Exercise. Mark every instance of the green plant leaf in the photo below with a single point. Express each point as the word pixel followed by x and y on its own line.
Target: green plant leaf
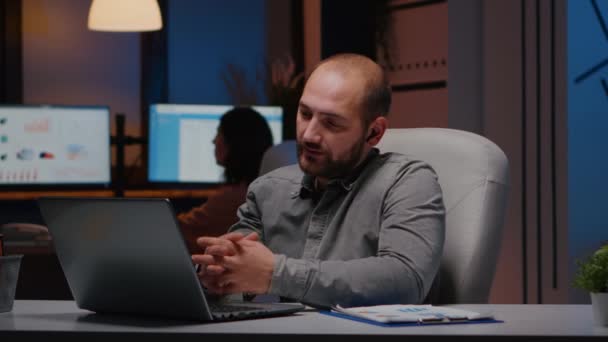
pixel 592 273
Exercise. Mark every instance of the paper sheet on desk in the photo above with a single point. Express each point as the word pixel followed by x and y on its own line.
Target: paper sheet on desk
pixel 402 313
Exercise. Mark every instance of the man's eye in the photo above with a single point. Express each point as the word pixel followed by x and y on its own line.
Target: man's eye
pixel 331 124
pixel 305 115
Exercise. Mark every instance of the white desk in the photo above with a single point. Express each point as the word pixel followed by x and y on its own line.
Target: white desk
pixel 62 320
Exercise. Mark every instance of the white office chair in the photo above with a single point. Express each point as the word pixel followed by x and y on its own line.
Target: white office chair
pixel 474 178
pixel 473 174
pixel 279 155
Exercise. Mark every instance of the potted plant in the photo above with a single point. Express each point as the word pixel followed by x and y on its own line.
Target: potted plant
pixel 592 276
pixel 281 83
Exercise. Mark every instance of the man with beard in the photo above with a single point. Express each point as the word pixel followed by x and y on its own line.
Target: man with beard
pixel 347 226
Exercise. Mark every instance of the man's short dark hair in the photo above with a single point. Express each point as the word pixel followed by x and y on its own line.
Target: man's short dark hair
pixel 378 99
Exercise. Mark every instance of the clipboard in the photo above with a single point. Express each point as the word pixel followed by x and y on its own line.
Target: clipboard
pixel 410 315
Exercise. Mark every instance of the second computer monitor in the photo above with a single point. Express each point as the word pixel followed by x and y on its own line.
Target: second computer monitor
pixel 180 141
pixel 54 146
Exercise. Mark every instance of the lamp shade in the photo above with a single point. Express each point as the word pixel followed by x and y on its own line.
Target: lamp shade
pixel 125 15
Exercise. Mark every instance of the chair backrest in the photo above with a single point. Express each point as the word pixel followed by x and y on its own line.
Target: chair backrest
pixel 473 174
pixel 279 155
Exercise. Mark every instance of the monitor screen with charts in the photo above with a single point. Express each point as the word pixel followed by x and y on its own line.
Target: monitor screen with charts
pixel 180 141
pixel 54 145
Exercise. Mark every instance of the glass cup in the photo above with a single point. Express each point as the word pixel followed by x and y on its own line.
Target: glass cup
pixel 9 274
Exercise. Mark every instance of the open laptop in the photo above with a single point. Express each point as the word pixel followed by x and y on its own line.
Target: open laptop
pixel 124 255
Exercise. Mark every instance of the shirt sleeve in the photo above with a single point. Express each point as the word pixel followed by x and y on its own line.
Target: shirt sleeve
pixel 410 246
pixel 249 215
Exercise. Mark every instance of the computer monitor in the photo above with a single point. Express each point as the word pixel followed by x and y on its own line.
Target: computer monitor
pixel 54 145
pixel 180 141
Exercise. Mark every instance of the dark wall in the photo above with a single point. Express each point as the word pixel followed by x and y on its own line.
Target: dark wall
pixel 203 38
pixel 347 26
pixel 11 83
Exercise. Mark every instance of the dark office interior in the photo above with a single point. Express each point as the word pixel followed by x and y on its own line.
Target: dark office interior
pixel 529 75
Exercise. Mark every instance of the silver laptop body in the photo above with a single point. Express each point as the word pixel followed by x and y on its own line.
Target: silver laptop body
pixel 126 255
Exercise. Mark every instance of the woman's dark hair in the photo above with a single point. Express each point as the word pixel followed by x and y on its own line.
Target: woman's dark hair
pixel 247 136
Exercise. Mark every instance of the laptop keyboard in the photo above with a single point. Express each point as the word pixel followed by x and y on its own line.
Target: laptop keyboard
pixel 225 312
pixel 226 308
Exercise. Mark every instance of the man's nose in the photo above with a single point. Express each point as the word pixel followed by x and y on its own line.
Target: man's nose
pixel 312 132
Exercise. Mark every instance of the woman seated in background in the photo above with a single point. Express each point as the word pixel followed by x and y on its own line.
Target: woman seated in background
pixel 241 140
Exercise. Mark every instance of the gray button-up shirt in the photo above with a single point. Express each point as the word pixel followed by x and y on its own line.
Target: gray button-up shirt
pixel 375 237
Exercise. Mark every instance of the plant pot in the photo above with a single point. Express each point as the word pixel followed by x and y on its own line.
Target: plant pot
pixel 599 303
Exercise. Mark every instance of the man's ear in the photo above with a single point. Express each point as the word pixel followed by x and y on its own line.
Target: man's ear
pixel 372 134
pixel 376 130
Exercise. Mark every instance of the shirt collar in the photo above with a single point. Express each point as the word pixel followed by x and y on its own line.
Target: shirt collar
pixel 347 182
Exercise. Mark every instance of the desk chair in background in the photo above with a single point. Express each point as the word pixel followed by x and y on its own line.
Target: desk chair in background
pixel 279 155
pixel 24 231
pixel 473 174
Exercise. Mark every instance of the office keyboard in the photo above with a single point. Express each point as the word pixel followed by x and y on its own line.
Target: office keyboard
pixel 229 312
pixel 226 308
